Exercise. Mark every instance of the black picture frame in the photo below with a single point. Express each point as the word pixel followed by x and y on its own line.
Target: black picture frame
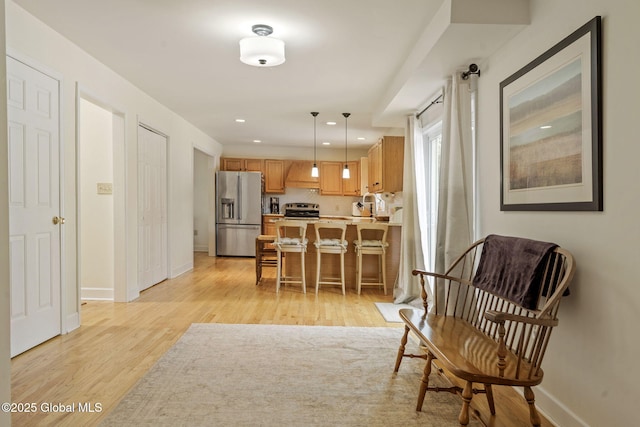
pixel 551 128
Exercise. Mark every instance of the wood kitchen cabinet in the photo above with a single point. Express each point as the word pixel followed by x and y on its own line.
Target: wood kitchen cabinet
pixel 248 165
pixel 331 178
pixel 332 183
pixel 274 176
pixel 351 186
pixel 385 161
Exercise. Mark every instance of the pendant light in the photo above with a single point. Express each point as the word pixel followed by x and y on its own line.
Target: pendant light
pixel 345 171
pixel 314 170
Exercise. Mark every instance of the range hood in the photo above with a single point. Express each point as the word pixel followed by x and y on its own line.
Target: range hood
pixel 299 175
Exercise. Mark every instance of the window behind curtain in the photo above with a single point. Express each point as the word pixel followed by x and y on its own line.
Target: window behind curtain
pixel 427 191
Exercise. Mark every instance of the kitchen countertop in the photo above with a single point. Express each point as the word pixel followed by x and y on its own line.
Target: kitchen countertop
pixel 349 220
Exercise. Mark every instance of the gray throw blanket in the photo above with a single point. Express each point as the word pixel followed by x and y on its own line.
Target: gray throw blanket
pixel 512 267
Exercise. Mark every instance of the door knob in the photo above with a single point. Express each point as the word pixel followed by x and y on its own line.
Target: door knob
pixel 58 220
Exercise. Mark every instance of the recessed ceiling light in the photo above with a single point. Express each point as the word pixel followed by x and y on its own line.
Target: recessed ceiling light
pixel 331 123
pixel 257 141
pixel 545 127
pixel 240 120
pixel 361 138
pixel 326 143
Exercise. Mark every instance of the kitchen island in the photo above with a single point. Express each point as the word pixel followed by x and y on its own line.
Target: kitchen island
pixel 331 263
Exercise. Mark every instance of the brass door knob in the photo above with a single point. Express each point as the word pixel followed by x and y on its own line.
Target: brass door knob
pixel 58 220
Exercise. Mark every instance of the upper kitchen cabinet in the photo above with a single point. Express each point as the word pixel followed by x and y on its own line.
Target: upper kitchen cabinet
pixel 274 176
pixel 331 178
pixel 332 183
pixel 299 175
pixel 248 165
pixel 385 162
pixel 351 186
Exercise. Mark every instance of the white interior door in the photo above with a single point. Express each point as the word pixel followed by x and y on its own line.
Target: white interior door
pixel 152 207
pixel 34 205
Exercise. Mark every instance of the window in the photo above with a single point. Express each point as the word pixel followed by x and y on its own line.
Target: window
pixel 427 179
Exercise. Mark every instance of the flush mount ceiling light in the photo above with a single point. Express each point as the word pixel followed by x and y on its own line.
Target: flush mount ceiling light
pixel 262 51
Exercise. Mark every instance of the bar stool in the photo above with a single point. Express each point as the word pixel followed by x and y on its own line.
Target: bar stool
pixel 374 243
pixel 330 239
pixel 266 254
pixel 290 237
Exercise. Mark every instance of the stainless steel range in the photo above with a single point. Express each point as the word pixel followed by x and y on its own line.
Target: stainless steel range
pixel 301 210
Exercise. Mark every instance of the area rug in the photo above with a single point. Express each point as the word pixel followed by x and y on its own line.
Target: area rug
pixel 269 375
pixel 389 311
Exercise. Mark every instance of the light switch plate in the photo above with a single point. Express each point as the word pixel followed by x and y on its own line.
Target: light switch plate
pixel 105 188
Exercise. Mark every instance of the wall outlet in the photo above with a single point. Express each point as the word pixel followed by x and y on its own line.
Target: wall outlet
pixel 105 188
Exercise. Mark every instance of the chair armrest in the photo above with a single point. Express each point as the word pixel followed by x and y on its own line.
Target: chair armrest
pixel 501 317
pixel 440 276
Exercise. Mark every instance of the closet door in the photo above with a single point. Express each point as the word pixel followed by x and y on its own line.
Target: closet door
pixel 152 208
pixel 34 205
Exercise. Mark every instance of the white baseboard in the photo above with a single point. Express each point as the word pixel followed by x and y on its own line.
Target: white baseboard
pixel 101 294
pixel 181 269
pixel 554 410
pixel 201 248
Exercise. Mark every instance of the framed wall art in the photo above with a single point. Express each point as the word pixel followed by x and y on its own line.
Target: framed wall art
pixel 551 128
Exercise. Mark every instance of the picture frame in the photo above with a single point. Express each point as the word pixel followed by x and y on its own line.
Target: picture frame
pixel 551 128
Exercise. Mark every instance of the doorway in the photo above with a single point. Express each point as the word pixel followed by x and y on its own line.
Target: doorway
pixel 98 134
pixel 203 202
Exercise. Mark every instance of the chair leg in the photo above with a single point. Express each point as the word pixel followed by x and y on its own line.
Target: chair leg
pixel 278 270
pixel 359 271
pixel 492 406
pixel 342 272
pixel 317 270
pixel 403 344
pixel 424 385
pixel 467 395
pixel 304 279
pixel 384 273
pixel 533 412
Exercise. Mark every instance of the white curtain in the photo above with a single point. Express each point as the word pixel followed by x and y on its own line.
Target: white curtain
pixel 407 288
pixel 455 201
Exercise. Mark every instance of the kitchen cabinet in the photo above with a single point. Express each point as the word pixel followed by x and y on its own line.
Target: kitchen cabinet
pixel 385 162
pixel 351 186
pixel 274 176
pixel 331 178
pixel 248 165
pixel 333 184
pixel 269 224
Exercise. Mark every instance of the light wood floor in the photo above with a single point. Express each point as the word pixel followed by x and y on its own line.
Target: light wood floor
pixel 118 342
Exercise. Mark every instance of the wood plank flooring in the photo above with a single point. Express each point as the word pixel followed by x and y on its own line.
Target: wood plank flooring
pixel 118 342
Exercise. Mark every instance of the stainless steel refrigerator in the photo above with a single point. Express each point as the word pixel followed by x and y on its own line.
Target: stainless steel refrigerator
pixel 238 212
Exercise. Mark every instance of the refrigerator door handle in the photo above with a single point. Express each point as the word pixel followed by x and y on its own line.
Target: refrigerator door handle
pixel 239 198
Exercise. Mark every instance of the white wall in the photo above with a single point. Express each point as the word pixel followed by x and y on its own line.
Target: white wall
pixel 96 210
pixel 32 38
pixel 5 324
pixel 591 369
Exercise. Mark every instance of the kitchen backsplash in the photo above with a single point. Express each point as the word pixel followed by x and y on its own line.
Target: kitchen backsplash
pixel 329 205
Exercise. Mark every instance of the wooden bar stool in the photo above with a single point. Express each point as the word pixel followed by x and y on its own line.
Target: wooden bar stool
pixel 266 254
pixel 330 239
pixel 372 240
pixel 290 237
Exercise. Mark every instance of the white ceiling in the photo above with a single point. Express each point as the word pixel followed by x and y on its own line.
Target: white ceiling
pixel 377 59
